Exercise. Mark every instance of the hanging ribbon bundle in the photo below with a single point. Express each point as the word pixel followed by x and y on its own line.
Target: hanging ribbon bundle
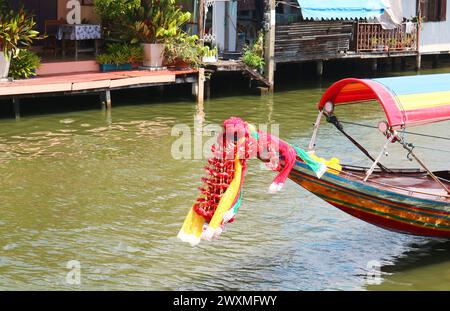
pixel 221 195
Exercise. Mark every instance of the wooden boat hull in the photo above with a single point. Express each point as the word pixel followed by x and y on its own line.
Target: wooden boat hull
pixel 387 209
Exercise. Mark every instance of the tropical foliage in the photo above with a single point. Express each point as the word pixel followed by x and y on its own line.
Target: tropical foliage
pixel 16 32
pixel 113 13
pixel 121 53
pixel 253 56
pixel 24 65
pixel 184 48
pixel 154 21
pixel 112 10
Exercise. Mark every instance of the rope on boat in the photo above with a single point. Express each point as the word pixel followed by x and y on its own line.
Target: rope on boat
pixel 410 133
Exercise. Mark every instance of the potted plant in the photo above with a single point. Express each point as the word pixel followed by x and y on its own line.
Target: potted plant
pixel 210 55
pixel 16 31
pixel 120 56
pixel 112 12
pixel 24 65
pixel 253 56
pixel 151 24
pixel 184 51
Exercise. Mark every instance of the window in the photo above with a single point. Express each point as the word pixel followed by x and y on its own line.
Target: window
pixel 433 10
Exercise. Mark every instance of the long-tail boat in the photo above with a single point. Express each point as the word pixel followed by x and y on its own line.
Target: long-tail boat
pixel 411 201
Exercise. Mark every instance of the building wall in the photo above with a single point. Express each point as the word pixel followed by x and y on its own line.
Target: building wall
pixel 409 8
pixel 434 36
pixel 219 21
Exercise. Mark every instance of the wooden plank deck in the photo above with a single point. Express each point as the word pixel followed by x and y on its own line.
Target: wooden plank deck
pixel 90 82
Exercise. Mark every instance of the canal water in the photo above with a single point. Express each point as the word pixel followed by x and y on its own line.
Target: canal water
pixel 94 201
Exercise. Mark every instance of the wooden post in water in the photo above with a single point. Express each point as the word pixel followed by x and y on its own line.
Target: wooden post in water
pixel 16 104
pixel 419 26
pixel 269 42
pixel 319 68
pixel 201 86
pixel 105 99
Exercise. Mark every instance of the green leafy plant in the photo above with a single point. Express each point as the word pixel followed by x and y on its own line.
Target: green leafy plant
pixel 24 65
pixel 184 48
pixel 113 14
pixel 210 52
pixel 253 56
pixel 16 31
pixel 154 22
pixel 121 53
pixel 111 10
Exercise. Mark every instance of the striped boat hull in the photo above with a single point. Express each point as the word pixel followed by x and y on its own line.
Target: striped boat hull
pixel 387 209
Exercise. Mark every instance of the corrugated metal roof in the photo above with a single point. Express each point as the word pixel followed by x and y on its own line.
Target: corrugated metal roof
pixel 341 9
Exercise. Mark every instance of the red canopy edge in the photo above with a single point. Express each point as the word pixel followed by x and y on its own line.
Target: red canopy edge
pixel 352 90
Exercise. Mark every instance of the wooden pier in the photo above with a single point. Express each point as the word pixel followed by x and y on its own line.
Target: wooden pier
pixel 98 82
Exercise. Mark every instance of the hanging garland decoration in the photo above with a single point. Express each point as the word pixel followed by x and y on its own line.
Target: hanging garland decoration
pixel 221 195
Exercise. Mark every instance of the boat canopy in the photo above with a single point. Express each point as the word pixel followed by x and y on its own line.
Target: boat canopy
pixel 407 101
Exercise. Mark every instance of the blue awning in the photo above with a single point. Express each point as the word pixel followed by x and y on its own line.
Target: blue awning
pixel 341 9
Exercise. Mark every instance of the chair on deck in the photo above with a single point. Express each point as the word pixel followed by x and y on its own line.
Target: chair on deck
pixel 51 30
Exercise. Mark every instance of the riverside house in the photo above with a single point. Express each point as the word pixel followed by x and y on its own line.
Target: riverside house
pixel 68 56
pixel 309 30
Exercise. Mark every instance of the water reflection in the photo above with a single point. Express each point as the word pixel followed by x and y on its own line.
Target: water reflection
pixel 424 266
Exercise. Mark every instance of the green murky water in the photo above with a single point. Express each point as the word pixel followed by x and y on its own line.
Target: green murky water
pixel 105 191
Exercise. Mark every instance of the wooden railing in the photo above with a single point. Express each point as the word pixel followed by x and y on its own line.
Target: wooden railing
pixel 371 37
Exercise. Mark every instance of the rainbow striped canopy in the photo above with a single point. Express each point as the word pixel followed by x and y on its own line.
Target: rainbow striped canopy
pixel 407 101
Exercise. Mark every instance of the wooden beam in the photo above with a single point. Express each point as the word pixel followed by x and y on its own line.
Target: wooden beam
pixel 201 18
pixel 201 85
pixel 269 42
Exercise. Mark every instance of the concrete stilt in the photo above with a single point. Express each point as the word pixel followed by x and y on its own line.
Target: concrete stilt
pixel 200 89
pixel 161 91
pixel 435 63
pixel 403 62
pixel 319 68
pixel 16 104
pixel 105 99
pixel 418 61
pixel 374 64
pixel 393 63
pixel 108 99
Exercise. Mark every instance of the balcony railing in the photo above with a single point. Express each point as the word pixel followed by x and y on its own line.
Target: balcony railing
pixel 371 37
